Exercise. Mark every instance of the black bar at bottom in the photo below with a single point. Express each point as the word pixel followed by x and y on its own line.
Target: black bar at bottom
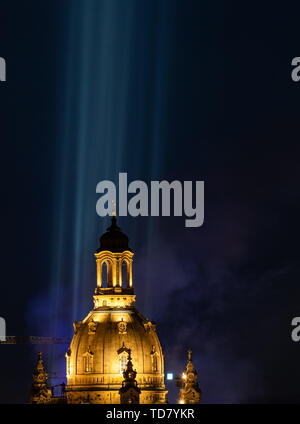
pixel 162 413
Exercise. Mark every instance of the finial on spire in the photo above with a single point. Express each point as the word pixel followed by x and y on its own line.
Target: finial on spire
pixel 114 208
pixel 113 223
pixel 40 364
pixel 190 355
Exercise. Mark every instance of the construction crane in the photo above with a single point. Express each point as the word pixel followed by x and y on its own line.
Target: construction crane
pixel 36 340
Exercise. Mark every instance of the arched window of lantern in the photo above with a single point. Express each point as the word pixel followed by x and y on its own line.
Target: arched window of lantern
pixel 104 274
pixel 124 274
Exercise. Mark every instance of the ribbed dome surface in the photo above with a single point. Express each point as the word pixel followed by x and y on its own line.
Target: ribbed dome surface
pixel 107 341
pixel 105 336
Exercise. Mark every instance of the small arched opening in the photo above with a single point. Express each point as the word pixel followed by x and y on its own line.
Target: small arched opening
pixel 124 274
pixel 104 274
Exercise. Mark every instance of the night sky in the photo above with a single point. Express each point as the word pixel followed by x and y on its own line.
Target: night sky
pixel 175 90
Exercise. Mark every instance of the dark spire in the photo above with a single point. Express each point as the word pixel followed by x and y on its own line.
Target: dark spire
pixel 129 392
pixel 129 373
pixel 40 373
pixel 40 392
pixel 190 391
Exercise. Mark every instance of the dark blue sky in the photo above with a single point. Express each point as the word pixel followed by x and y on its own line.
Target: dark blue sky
pixel 161 90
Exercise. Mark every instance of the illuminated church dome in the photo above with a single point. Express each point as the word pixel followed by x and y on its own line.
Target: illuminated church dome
pixel 98 354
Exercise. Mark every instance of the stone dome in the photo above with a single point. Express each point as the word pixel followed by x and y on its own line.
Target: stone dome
pixel 99 351
pixel 96 357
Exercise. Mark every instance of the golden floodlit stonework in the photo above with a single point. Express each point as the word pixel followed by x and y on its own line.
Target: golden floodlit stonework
pixel 115 355
pixel 98 354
